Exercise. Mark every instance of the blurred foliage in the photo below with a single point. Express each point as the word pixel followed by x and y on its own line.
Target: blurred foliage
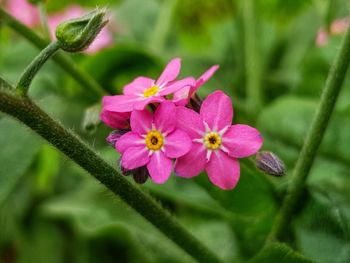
pixel 51 211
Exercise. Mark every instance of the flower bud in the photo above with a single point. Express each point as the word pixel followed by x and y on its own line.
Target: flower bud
pixel 195 102
pixel 75 35
pixel 140 175
pixel 114 136
pixel 91 118
pixel 269 163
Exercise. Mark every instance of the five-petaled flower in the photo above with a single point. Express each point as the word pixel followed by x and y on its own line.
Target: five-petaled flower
pixel 143 91
pixel 216 143
pixel 153 141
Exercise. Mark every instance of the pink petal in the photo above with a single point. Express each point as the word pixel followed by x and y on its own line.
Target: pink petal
pixel 141 104
pixel 223 171
pixel 159 167
pixel 190 122
pixel 170 72
pixel 120 103
pixel 138 86
pixel 115 120
pixel 177 85
pixel 177 144
pixel 165 117
pixel 25 12
pixel 181 97
pixel 135 157
pixel 204 78
pixel 217 110
pixel 192 163
pixel 242 140
pixel 141 121
pixel 128 140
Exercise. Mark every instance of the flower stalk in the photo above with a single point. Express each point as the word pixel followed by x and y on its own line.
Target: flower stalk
pixel 314 137
pixel 68 143
pixel 64 61
pixel 33 68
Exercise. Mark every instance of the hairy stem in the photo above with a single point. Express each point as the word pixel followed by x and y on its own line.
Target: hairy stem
pixel 30 114
pixel 314 137
pixel 252 58
pixel 64 61
pixel 33 68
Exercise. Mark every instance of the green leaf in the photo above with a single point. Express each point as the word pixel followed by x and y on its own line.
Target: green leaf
pixel 322 230
pixel 92 212
pixel 279 253
pixel 251 206
pixel 18 148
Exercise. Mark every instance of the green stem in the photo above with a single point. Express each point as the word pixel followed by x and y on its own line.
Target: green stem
pixel 64 61
pixel 314 137
pixel 68 143
pixel 252 58
pixel 33 68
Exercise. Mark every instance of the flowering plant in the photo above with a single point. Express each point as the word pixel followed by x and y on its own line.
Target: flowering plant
pixel 162 129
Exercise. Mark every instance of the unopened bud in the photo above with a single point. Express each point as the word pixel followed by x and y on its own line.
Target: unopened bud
pixel 195 102
pixel 114 136
pixel 75 35
pixel 91 118
pixel 140 175
pixel 269 163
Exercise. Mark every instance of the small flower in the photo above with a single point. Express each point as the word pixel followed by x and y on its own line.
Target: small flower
pixel 143 91
pixel 25 12
pixel 103 40
pixel 153 141
pixel 216 143
pixel 269 163
pixel 183 96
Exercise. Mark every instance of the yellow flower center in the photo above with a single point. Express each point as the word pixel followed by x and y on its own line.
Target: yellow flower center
pixel 212 140
pixel 154 140
pixel 150 91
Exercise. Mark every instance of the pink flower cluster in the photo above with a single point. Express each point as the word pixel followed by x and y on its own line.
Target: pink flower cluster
pixel 28 14
pixel 158 128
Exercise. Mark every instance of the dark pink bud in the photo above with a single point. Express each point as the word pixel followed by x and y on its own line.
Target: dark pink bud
pixel 114 136
pixel 195 102
pixel 269 163
pixel 140 175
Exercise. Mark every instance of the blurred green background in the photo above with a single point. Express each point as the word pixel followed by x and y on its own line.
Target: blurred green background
pixel 52 211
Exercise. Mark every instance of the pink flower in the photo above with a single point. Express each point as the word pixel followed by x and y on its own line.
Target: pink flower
pixel 153 141
pixel 216 143
pixel 143 91
pixel 104 38
pixel 182 96
pixel 25 12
